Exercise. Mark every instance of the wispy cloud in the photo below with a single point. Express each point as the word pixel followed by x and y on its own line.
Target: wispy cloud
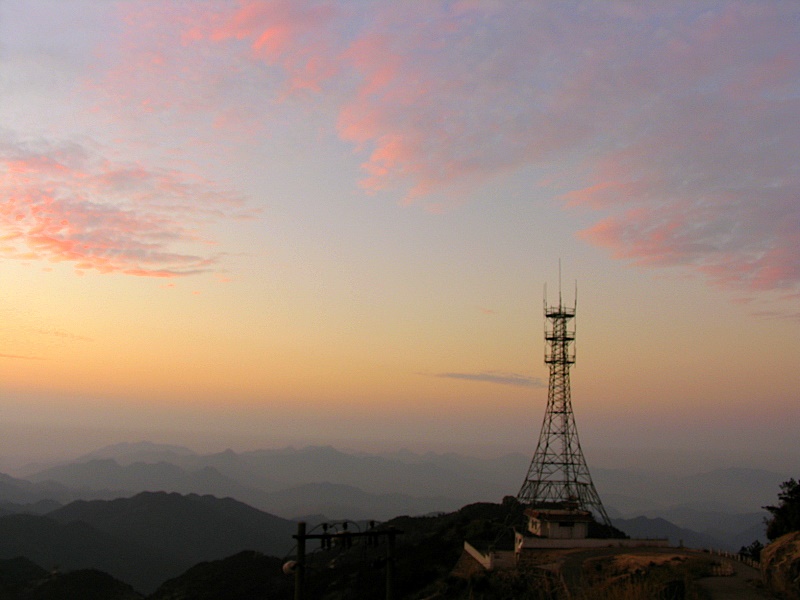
pixel 706 176
pixel 682 140
pixel 67 202
pixel 496 377
pixel 60 333
pixel 19 356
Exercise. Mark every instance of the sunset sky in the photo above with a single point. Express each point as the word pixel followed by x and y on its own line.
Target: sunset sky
pixel 251 224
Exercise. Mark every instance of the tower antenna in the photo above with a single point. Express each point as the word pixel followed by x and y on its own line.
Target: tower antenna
pixel 559 282
pixel 558 475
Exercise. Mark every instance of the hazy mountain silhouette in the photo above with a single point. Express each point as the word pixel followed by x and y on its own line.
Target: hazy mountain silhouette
pixel 732 530
pixel 730 489
pixel 144 451
pixel 40 507
pixel 338 501
pixel 21 491
pixel 643 527
pixel 447 475
pixel 288 467
pixel 293 482
pixel 107 479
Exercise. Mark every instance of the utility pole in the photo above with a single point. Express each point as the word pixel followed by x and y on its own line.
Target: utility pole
pixel 344 537
pixel 300 567
pixel 391 533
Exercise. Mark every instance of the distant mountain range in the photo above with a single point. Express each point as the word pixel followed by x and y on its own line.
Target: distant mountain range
pixel 644 527
pixel 147 513
pixel 724 505
pixel 278 481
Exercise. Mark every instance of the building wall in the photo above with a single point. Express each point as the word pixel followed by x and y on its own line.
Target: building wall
pixel 524 542
pixel 496 559
pixel 555 530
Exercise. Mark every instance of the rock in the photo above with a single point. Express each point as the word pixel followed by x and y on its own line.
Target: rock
pixel 780 566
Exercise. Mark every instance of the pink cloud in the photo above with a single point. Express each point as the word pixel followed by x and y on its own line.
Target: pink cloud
pixel 291 33
pixel 677 123
pixel 210 65
pixel 62 203
pixel 709 180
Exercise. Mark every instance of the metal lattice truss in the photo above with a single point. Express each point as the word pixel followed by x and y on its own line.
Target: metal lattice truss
pixel 558 475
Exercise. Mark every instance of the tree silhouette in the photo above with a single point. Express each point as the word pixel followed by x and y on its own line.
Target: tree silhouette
pixel 753 551
pixel 786 516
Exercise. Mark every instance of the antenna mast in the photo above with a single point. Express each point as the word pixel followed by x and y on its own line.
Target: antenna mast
pixel 558 474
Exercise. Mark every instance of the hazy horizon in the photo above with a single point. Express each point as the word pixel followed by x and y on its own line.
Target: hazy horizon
pixel 28 449
pixel 244 224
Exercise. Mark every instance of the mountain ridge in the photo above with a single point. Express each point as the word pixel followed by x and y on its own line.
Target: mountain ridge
pixel 292 481
pixel 145 539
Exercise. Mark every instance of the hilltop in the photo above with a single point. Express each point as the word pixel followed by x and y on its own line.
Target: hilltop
pixel 430 559
pixel 143 540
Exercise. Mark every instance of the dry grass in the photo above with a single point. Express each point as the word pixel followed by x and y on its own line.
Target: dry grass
pixel 630 563
pixel 627 575
pixel 644 576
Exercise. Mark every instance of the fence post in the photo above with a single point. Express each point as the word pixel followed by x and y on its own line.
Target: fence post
pixel 300 570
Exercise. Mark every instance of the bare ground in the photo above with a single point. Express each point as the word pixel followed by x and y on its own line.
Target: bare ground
pixel 742 585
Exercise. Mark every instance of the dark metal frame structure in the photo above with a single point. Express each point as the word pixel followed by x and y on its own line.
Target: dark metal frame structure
pixel 344 538
pixel 558 475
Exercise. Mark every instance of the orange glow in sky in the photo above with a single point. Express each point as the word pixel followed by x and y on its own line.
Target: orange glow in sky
pixel 261 223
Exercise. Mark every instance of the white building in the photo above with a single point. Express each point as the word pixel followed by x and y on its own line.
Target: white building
pixel 559 524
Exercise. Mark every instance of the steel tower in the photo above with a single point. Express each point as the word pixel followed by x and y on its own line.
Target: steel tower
pixel 558 475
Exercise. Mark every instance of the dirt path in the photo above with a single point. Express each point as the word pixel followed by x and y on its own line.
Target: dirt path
pixel 735 587
pixel 742 585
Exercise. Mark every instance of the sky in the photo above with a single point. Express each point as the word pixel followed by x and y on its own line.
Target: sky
pixel 252 224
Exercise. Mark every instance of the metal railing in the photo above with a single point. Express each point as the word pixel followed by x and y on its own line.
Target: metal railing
pixel 734 556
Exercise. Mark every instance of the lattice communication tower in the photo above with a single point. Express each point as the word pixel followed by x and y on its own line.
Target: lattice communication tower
pixel 558 475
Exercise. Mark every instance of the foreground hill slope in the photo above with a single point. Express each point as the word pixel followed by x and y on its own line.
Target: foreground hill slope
pixel 780 566
pixel 430 562
pixel 143 540
pixel 427 553
pixel 193 528
pixel 247 575
pixel 21 579
pixel 75 546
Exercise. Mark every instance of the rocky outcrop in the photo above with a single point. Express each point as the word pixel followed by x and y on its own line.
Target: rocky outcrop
pixel 780 566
